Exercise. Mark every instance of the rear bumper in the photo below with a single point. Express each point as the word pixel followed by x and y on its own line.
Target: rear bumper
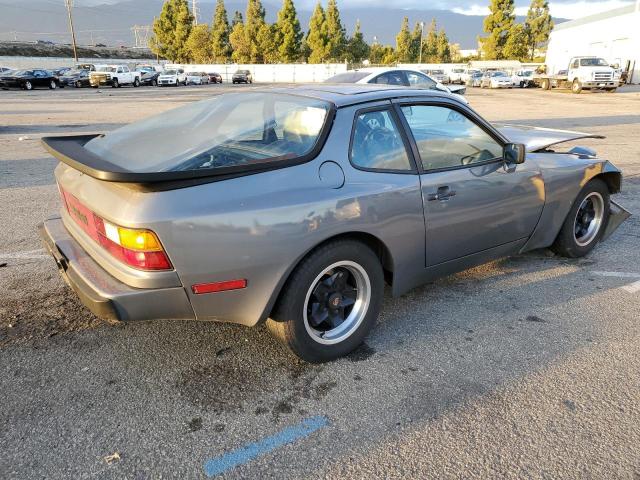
pixel 103 294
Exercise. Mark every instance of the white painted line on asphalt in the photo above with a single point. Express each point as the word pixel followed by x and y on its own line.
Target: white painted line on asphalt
pixel 631 288
pixel 617 274
pixel 39 253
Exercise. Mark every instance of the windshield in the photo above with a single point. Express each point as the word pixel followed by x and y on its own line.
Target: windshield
pixel 170 72
pixel 437 72
pixel 593 62
pixel 226 131
pixel 498 74
pixel 347 77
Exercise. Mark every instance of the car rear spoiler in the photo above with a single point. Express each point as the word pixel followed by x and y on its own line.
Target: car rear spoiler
pixel 71 151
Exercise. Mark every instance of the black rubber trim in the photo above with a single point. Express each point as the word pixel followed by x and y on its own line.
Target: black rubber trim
pixel 70 150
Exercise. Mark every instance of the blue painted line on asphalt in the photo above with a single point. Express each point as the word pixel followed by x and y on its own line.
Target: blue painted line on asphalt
pixel 245 454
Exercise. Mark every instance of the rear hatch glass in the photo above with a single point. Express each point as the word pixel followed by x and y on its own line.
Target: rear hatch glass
pixel 228 131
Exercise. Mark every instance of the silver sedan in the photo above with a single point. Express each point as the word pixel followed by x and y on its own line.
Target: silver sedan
pixel 294 207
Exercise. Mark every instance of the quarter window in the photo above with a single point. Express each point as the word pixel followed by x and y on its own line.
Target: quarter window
pixel 377 143
pixel 445 138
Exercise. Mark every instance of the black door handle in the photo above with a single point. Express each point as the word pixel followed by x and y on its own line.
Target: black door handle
pixel 442 194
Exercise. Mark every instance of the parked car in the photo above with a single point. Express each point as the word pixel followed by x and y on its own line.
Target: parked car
pixel 496 79
pixel 197 78
pixel 75 78
pixel 242 76
pixel 215 77
pixel 58 72
pixel 584 73
pixel 455 75
pixel 293 206
pixel 466 75
pixel 149 75
pixel 29 79
pixel 523 79
pixel 395 76
pixel 475 79
pixel 175 77
pixel 114 75
pixel 438 75
pixel 5 70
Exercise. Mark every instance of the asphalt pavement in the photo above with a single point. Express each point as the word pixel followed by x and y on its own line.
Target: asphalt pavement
pixel 527 367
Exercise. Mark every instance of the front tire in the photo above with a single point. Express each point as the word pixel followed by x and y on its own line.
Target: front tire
pixel 53 85
pixel 545 84
pixel 576 86
pixel 115 83
pixel 330 301
pixel 586 221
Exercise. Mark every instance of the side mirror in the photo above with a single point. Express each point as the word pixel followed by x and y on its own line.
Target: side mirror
pixel 514 153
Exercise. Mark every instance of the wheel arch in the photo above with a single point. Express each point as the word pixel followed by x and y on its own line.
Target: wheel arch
pixel 373 242
pixel 612 179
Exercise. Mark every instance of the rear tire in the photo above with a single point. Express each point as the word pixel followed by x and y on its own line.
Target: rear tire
pixel 545 84
pixel 115 83
pixel 586 221
pixel 28 85
pixel 330 302
pixel 136 83
pixel 53 85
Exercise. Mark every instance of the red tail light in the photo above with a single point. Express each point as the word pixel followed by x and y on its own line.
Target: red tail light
pixel 138 248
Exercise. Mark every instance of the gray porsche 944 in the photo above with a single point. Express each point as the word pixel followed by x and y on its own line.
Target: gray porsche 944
pixel 294 206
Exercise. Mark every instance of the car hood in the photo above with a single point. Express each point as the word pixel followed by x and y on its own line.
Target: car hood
pixel 535 138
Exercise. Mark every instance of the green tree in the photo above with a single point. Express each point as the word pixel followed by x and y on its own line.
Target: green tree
pixel 516 47
pixel 220 47
pixel 537 26
pixel 381 54
pixel 357 48
pixel 199 44
pixel 171 31
pixel 416 40
pixel 497 25
pixel 316 41
pixel 241 50
pixel 254 20
pixel 443 49
pixel 430 43
pixel 336 34
pixel 237 18
pixel 403 42
pixel 268 42
pixel 288 33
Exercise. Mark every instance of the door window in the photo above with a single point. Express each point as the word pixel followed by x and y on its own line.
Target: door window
pixel 419 80
pixel 390 78
pixel 446 138
pixel 377 143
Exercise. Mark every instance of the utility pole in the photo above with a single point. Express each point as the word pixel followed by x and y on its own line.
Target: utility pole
pixel 69 5
pixel 194 8
pixel 421 36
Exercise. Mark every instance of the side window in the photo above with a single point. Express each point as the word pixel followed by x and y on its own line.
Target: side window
pixel 421 81
pixel 575 64
pixel 125 69
pixel 445 138
pixel 377 144
pixel 390 78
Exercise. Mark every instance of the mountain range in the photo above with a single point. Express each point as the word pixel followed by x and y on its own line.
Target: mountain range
pixel 110 21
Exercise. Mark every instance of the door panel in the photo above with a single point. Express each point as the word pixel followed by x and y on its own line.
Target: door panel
pixel 472 200
pixel 491 206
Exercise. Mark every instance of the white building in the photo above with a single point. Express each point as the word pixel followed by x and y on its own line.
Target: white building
pixel 612 35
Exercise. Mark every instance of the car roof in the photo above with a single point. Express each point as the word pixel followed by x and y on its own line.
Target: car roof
pixel 344 94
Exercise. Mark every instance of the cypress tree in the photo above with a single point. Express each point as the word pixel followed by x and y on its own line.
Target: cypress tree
pixel 199 44
pixel 498 25
pixel 516 46
pixel 289 33
pixel 430 43
pixel 357 48
pixel 537 26
pixel 220 47
pixel 443 51
pixel 241 50
pixel 237 18
pixel 254 19
pixel 336 34
pixel 403 42
pixel 171 31
pixel 416 40
pixel 316 41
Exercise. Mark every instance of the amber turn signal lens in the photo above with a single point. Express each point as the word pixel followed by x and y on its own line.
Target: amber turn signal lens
pixel 143 240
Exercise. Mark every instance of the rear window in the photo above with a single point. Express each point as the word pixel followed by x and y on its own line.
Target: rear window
pixel 229 130
pixel 347 77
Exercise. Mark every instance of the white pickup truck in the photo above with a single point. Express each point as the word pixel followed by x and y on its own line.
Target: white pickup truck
pixel 584 73
pixel 114 75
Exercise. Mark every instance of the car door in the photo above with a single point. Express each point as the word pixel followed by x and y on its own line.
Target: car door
pixel 40 78
pixel 472 200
